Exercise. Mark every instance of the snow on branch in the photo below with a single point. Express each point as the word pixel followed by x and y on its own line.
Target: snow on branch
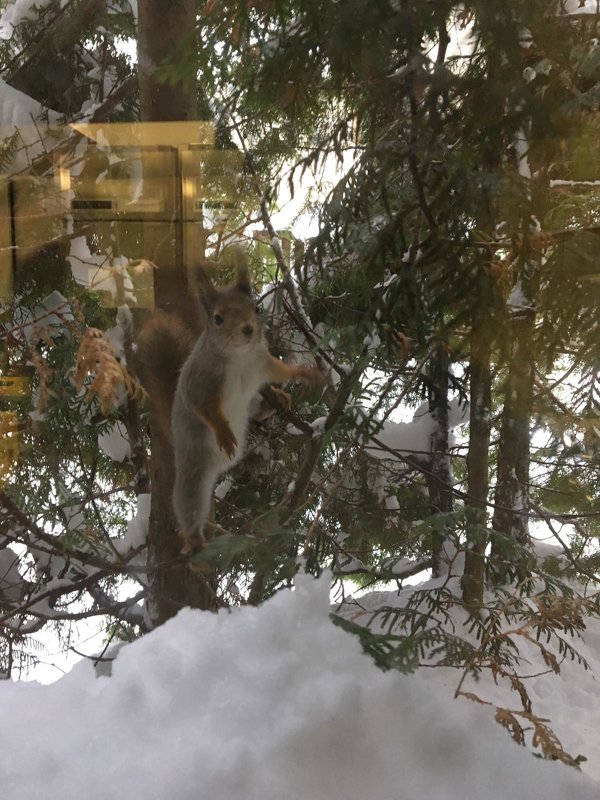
pixel 398 439
pixel 577 9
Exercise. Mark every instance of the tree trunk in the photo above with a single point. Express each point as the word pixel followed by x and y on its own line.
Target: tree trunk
pixel 480 391
pixel 483 333
pixel 439 480
pixel 511 500
pixel 167 47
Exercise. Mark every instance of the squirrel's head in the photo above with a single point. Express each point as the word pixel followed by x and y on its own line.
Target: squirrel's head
pixel 232 322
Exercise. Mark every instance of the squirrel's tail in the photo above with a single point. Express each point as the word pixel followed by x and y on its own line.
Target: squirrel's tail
pixel 163 345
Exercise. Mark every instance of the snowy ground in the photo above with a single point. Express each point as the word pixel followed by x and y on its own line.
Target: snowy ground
pixel 274 703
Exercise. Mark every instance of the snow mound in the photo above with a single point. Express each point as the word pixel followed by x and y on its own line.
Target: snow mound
pixel 271 703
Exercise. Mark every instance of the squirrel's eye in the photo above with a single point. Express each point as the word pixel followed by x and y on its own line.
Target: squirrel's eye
pixel 218 319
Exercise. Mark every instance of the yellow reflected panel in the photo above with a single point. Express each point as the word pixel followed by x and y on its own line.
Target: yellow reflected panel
pixel 9 443
pixel 148 134
pixel 6 253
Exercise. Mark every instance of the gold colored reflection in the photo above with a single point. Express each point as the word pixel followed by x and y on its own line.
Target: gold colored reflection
pixel 147 134
pixel 115 196
pixel 14 386
pixel 9 443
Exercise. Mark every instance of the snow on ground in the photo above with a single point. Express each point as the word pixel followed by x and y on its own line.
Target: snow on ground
pixel 273 703
pixel 568 701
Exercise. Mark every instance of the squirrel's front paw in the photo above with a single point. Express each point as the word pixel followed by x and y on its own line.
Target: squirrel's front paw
pixel 226 440
pixel 311 376
pixel 282 399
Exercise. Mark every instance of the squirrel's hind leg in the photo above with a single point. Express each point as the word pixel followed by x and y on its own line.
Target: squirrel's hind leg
pixel 191 542
pixel 191 503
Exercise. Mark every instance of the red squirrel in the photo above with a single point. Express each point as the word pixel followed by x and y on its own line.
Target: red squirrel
pixel 216 393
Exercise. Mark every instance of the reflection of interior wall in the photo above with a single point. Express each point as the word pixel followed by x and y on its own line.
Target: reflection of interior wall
pixel 9 443
pixel 32 213
pixel 212 185
pixel 151 191
pixel 6 240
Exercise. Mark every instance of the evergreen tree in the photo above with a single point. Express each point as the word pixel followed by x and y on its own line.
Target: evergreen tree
pixel 453 262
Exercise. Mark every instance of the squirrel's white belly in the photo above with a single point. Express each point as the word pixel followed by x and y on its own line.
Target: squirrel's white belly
pixel 238 393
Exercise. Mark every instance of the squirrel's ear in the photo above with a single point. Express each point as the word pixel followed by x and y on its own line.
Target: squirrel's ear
pixel 203 288
pixel 242 270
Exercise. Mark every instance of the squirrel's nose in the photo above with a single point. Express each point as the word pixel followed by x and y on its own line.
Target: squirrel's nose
pixel 248 330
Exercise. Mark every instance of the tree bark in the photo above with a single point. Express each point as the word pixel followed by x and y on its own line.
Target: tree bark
pixel 439 481
pixel 511 500
pixel 167 55
pixel 480 391
pixel 167 60
pixel 483 334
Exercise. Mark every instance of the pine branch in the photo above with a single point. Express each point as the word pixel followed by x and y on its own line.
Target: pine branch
pixel 55 543
pixel 47 161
